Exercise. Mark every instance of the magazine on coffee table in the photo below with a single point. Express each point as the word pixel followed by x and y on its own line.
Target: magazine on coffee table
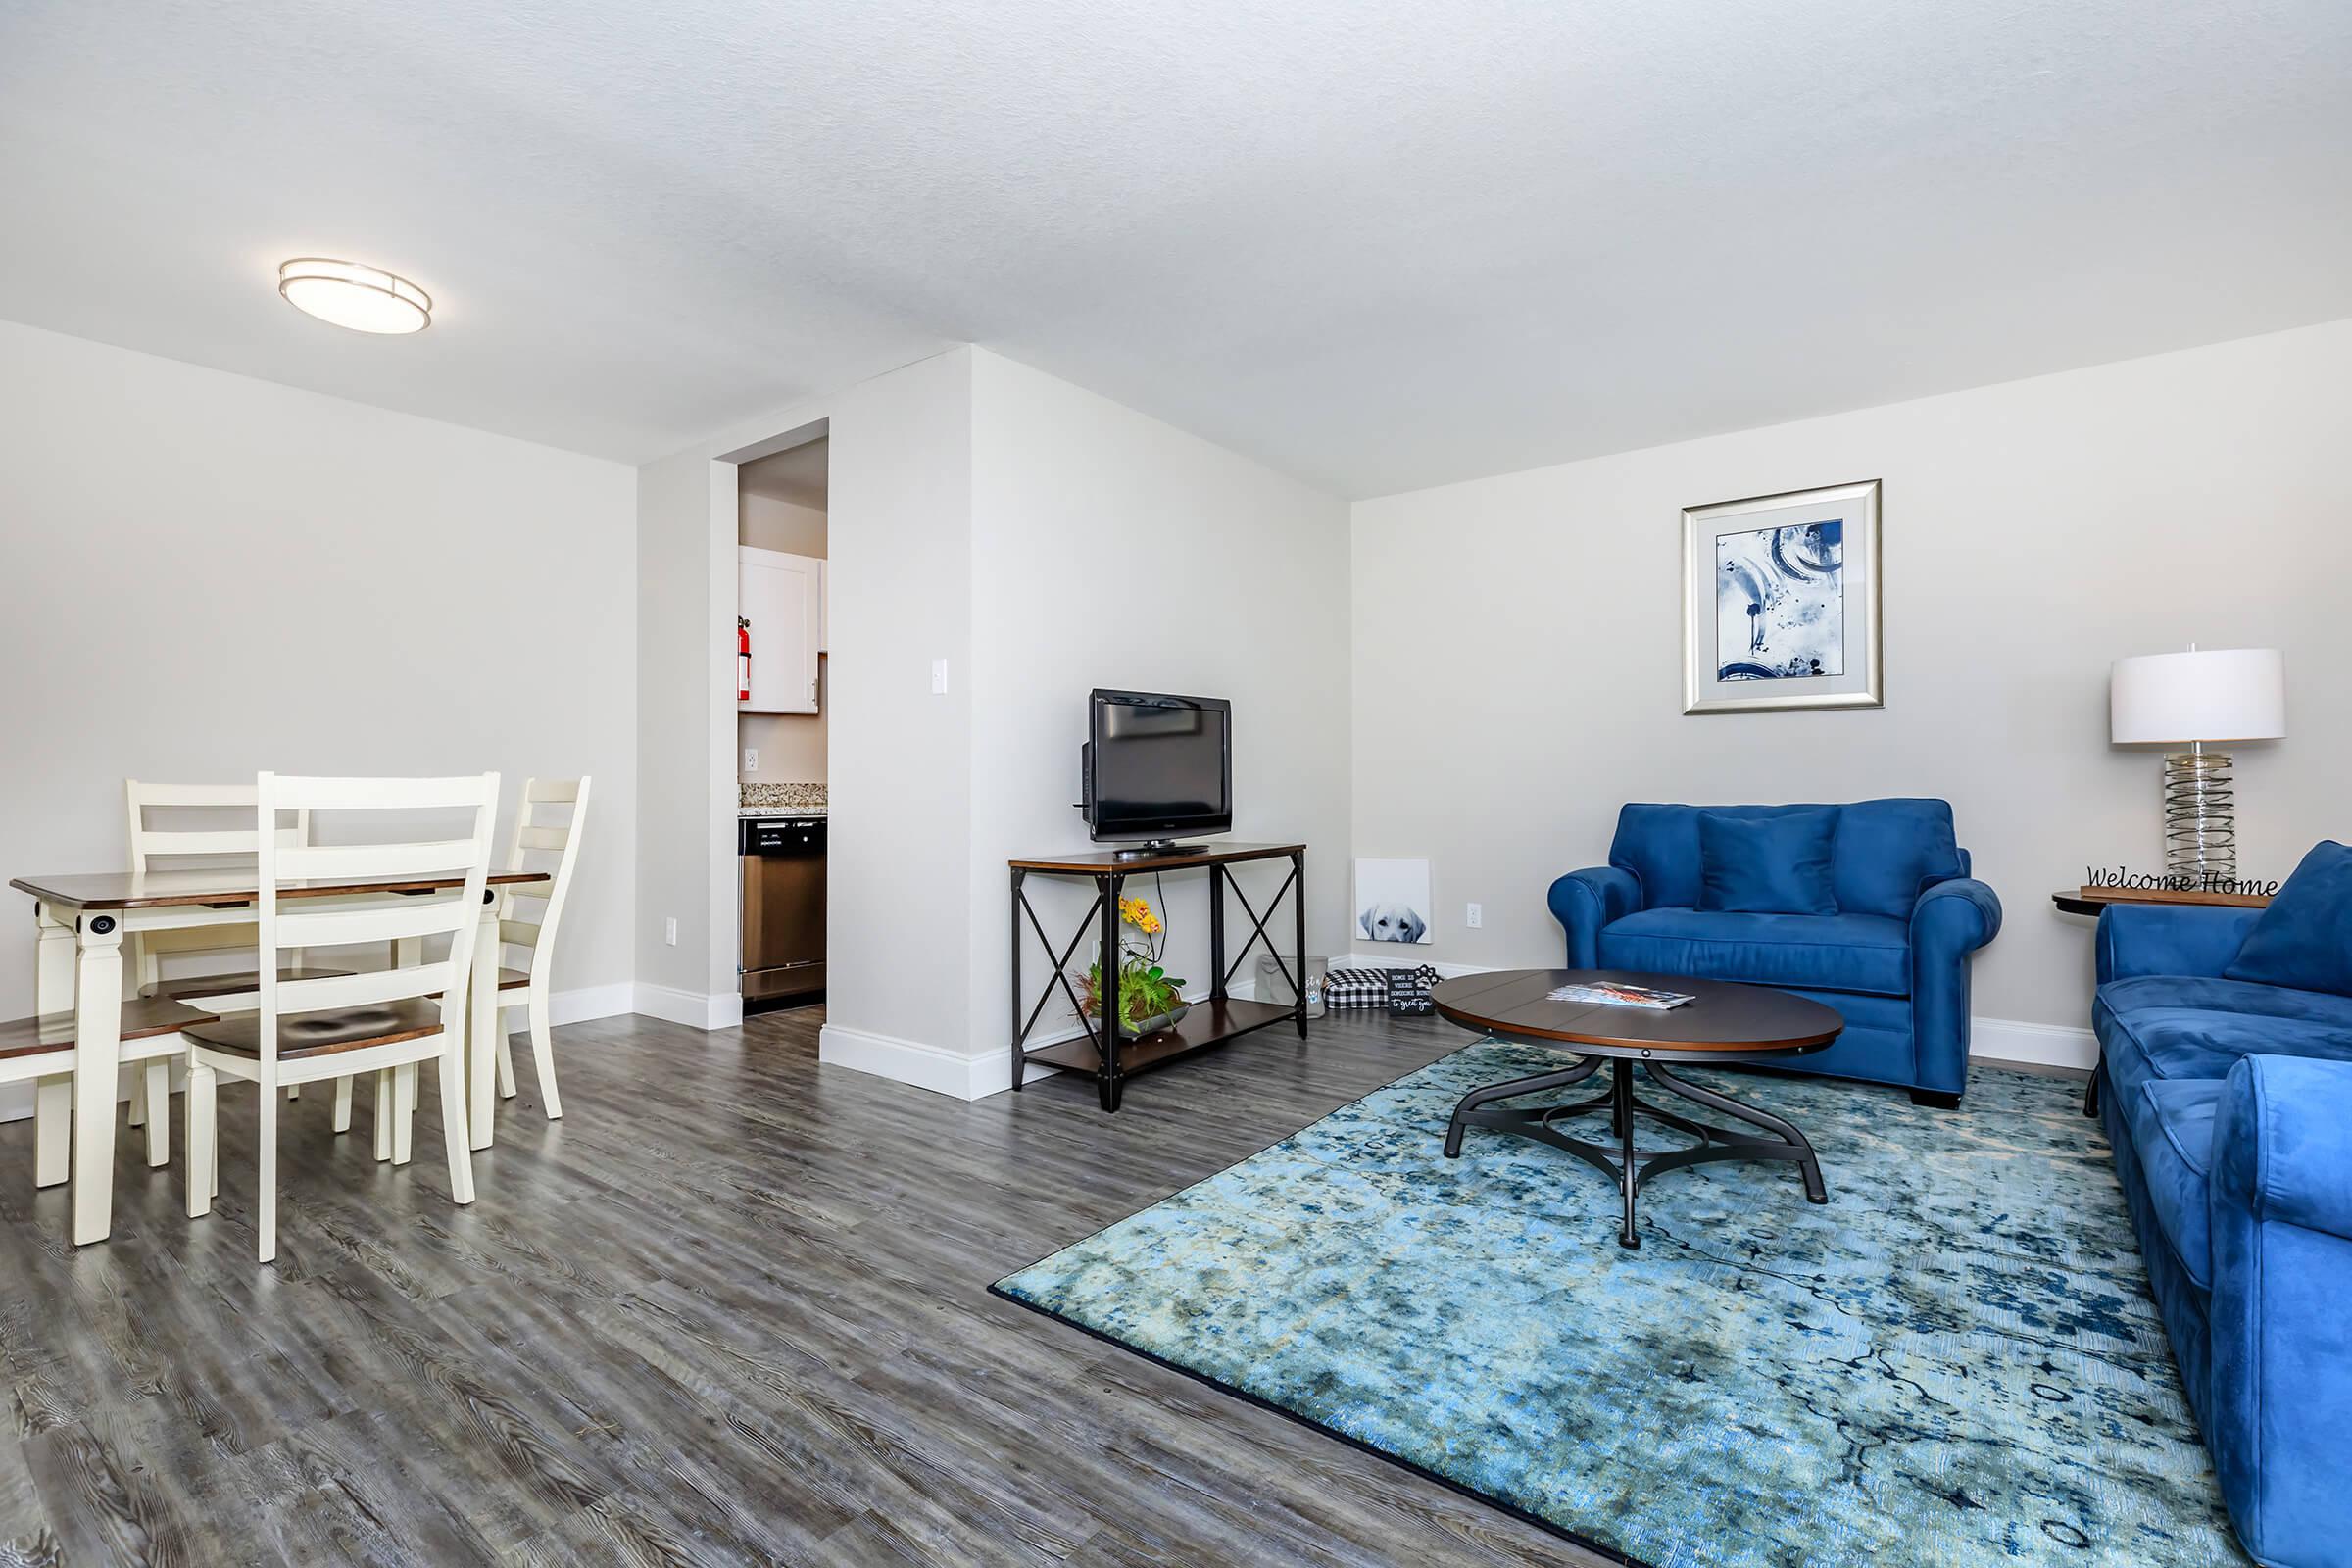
pixel 1622 996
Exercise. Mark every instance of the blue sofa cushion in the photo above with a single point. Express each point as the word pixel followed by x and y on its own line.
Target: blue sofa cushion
pixel 1776 864
pixel 2192 1027
pixel 1865 953
pixel 1885 854
pixel 2171 1132
pixel 2211 993
pixel 2304 939
pixel 1890 852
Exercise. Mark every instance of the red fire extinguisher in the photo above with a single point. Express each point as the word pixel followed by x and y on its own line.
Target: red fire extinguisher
pixel 743 660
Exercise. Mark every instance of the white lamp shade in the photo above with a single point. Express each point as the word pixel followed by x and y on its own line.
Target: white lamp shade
pixel 2221 694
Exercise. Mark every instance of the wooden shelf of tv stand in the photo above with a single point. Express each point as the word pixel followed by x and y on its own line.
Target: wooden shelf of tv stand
pixel 1210 1023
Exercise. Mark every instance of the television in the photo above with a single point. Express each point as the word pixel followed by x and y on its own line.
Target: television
pixel 1157 766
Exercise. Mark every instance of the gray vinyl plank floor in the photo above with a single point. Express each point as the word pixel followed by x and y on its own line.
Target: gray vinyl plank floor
pixel 731 1309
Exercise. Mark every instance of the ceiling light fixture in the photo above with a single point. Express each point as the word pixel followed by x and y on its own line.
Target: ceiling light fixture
pixel 362 298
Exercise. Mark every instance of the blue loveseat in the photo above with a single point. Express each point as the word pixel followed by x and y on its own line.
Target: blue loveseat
pixel 1887 945
pixel 2228 1102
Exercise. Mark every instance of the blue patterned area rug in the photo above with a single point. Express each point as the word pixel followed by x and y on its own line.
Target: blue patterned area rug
pixel 1954 1362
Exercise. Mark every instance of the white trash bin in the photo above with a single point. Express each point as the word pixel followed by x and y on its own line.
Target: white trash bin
pixel 1272 987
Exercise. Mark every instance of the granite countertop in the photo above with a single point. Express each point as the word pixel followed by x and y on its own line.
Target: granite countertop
pixel 780 800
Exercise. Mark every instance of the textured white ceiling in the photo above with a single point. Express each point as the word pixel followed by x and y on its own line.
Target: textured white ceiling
pixel 1376 243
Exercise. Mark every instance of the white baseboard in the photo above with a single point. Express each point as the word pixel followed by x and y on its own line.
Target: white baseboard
pixel 693 1009
pixel 951 1072
pixel 912 1062
pixel 2039 1045
pixel 1390 960
pixel 591 1001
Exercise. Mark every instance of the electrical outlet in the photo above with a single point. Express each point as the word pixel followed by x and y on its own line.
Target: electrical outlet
pixel 939 677
pixel 751 759
pixel 669 930
pixel 1473 917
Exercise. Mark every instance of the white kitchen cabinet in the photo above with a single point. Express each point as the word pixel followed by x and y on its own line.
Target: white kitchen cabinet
pixel 782 596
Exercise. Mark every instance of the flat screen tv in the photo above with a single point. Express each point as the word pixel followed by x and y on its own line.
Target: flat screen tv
pixel 1157 765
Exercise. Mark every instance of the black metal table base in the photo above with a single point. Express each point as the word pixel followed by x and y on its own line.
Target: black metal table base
pixel 1628 1167
pixel 1102 918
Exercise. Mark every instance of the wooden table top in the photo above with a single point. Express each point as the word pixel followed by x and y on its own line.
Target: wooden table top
pixel 1726 1018
pixel 222 886
pixel 2090 900
pixel 1101 861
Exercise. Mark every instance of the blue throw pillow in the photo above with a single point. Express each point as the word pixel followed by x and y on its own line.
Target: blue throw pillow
pixel 2304 939
pixel 1766 865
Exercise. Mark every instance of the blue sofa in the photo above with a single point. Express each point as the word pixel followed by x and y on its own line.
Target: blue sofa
pixel 1890 948
pixel 2228 1102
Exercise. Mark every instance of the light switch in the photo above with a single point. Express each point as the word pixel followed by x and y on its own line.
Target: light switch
pixel 939 677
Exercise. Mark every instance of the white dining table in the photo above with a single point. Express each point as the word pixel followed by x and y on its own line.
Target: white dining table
pixel 83 921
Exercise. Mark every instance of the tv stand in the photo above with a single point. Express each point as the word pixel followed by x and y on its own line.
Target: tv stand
pixel 1109 1054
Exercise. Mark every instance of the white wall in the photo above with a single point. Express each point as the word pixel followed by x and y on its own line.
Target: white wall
pixel 685 736
pixel 1112 550
pixel 1516 643
pixel 900 758
pixel 1044 541
pixel 203 576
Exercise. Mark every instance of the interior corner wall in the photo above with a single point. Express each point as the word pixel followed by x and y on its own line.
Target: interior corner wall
pixel 686 739
pixel 1517 640
pixel 898 543
pixel 1109 549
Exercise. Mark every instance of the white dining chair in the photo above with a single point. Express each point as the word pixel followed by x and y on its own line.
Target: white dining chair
pixel 160 849
pixel 540 827
pixel 156 848
pixel 393 1019
pixel 40 1050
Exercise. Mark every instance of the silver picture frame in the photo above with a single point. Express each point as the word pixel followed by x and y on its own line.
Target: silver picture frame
pixel 1861 680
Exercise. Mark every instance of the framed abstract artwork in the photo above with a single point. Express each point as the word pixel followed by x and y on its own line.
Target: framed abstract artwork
pixel 1781 602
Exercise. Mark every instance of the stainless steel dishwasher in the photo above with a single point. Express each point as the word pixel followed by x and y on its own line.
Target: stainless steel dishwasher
pixel 783 879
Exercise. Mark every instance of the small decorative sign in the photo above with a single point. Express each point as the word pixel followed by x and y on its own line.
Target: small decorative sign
pixel 2125 878
pixel 1409 994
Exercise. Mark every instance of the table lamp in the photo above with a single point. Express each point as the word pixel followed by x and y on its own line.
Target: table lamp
pixel 2198 699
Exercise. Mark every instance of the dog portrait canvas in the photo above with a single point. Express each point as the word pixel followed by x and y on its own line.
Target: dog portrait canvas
pixel 1391 902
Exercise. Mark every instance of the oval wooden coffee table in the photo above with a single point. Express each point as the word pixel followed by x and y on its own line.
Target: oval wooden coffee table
pixel 1725 1023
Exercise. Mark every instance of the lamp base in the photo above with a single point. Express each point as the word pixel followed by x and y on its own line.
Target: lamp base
pixel 2200 820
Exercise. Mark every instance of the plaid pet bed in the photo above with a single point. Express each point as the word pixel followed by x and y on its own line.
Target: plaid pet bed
pixel 1367 988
